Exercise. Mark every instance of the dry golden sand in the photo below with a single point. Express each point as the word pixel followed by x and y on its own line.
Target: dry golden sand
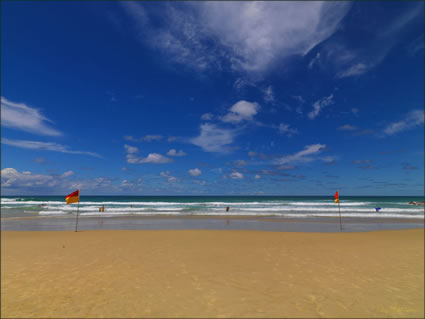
pixel 212 274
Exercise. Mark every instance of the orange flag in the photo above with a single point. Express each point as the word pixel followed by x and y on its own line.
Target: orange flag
pixel 336 197
pixel 73 197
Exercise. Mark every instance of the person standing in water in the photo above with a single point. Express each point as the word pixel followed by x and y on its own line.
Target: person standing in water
pixel 227 221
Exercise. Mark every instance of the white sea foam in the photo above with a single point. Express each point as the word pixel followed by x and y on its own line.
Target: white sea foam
pixel 282 208
pixel 330 203
pixel 239 213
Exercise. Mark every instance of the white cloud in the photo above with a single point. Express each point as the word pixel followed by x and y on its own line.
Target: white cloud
pixel 152 158
pixel 301 156
pixel 259 33
pixel 14 182
pixel 213 138
pixel 412 119
pixel 207 117
pixel 172 179
pixel 251 35
pixel 173 152
pixel 25 118
pixel 319 105
pixel 167 175
pixel 242 110
pixel 195 172
pixel 236 175
pixel 10 177
pixel 45 146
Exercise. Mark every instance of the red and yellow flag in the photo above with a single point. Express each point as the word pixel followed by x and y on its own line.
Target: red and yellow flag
pixel 336 197
pixel 73 197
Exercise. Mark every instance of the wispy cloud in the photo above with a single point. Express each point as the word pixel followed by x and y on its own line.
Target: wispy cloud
pixel 352 61
pixel 238 163
pixel 207 116
pixel 302 156
pixel 411 120
pixel 408 167
pixel 214 139
pixel 285 129
pixel 355 69
pixel 250 36
pixel 347 127
pixel 22 117
pixel 67 174
pixel 146 138
pixel 364 164
pixel 40 160
pixel 417 45
pixel 45 146
pixel 269 96
pixel 152 158
pixel 168 176
pixel 319 105
pixel 173 152
pixel 131 149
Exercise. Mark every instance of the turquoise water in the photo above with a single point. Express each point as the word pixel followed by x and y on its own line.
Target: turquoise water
pixel 281 206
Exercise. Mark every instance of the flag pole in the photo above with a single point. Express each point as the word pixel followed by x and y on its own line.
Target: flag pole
pixel 340 223
pixel 78 210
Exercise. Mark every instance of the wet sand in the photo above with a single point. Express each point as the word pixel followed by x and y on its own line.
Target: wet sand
pixel 207 273
pixel 160 222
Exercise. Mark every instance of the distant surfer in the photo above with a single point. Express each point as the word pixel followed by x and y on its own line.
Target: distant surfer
pixel 227 208
pixel 377 209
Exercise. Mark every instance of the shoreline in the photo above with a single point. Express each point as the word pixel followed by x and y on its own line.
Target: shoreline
pixel 220 222
pixel 209 273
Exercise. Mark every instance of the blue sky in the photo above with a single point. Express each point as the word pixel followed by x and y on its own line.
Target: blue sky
pixel 208 98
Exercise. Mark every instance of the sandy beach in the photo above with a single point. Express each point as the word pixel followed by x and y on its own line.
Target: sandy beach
pixel 191 273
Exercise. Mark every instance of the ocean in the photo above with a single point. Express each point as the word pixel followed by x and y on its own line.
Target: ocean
pixel 279 206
